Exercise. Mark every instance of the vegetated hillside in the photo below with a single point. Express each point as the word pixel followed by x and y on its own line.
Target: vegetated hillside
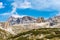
pixel 38 34
pixel 4 34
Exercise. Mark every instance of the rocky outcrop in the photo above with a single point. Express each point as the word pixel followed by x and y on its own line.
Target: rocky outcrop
pixel 21 20
pixel 40 19
pixel 54 21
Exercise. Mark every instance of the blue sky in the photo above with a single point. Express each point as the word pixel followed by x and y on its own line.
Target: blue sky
pixel 35 8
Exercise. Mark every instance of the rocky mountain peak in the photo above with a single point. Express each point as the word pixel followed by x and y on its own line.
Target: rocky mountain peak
pixel 15 18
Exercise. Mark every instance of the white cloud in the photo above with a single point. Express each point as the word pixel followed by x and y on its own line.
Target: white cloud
pixel 19 4
pixel 1 5
pixel 46 4
pixel 37 4
pixel 40 4
pixel 14 8
pixel 23 5
pixel 16 4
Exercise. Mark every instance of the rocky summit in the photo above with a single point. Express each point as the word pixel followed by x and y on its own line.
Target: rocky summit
pixel 21 20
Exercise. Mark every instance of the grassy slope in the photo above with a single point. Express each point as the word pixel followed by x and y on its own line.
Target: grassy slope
pixel 48 33
pixel 4 35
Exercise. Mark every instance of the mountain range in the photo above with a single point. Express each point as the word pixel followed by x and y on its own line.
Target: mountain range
pixel 22 26
pixel 17 19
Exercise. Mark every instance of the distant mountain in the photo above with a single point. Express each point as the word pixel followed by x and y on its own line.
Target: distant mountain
pixel 17 19
pixel 54 20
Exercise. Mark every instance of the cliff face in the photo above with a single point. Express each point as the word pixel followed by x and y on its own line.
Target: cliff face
pixel 54 20
pixel 21 20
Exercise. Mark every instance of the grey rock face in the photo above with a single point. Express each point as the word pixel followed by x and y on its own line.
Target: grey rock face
pixel 54 21
pixel 19 20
